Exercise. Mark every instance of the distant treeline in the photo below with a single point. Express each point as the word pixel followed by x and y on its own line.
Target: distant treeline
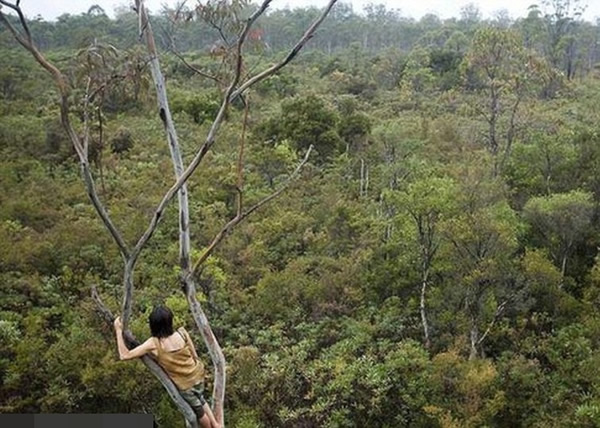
pixel 555 31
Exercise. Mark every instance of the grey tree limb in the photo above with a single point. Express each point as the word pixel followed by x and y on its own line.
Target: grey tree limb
pixel 243 215
pixel 290 56
pixel 166 118
pixel 64 91
pixel 497 314
pixel 200 318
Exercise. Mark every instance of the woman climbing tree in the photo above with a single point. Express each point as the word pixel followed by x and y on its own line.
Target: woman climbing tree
pixel 176 354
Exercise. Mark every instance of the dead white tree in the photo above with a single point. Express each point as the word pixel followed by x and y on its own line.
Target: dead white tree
pixel 236 87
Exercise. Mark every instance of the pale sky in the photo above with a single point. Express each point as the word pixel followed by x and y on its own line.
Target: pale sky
pixel 50 9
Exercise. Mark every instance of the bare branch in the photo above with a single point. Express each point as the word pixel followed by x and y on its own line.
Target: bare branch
pixel 511 132
pixel 64 90
pixel 499 311
pixel 164 113
pixel 214 349
pixel 169 126
pixel 101 146
pixel 28 44
pixel 254 66
pixel 241 216
pixel 219 30
pixel 86 118
pixel 263 7
pixel 22 19
pixel 290 56
pixel 93 195
pixel 240 165
pixel 192 67
pixel 208 142
pixel 284 186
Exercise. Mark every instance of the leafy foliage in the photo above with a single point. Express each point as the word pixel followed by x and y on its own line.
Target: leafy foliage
pixel 472 145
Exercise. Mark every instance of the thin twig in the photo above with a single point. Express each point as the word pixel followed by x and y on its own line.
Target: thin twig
pixel 241 216
pixel 290 56
pixel 194 68
pixel 64 91
pixel 103 86
pixel 240 164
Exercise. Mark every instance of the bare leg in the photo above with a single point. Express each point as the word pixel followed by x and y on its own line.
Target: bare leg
pixel 208 412
pixel 204 421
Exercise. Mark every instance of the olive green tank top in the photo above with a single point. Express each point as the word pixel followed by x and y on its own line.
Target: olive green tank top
pixel 181 366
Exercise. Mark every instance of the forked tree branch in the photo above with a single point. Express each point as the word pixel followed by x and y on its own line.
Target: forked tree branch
pixel 210 139
pixel 290 56
pixel 64 90
pixel 131 256
pixel 230 94
pixel 214 349
pixel 182 176
pixel 208 142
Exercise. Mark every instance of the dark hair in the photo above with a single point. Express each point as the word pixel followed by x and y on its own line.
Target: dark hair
pixel 161 321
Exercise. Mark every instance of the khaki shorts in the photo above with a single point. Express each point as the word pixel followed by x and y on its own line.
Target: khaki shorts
pixel 195 398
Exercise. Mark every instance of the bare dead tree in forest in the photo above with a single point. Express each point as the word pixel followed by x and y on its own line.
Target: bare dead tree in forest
pixel 236 87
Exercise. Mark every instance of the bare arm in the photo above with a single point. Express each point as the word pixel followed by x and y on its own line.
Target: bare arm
pixel 138 351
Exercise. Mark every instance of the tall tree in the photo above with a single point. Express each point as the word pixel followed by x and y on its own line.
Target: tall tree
pixel 237 86
pixel 562 22
pixel 562 221
pixel 484 238
pixel 501 74
pixel 428 201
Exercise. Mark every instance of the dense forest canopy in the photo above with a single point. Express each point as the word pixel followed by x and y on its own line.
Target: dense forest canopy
pixel 435 264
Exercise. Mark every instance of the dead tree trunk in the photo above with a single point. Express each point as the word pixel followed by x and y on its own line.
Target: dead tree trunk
pixel 424 281
pixel 130 257
pixel 428 246
pixel 474 340
pixel 188 286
